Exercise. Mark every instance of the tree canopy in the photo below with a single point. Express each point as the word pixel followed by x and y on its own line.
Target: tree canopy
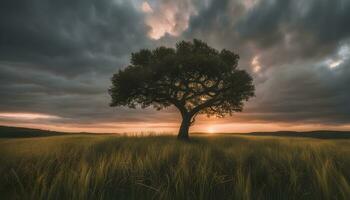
pixel 193 77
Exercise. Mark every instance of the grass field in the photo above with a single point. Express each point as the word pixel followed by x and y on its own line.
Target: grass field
pixel 160 167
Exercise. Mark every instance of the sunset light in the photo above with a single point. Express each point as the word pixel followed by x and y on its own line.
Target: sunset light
pixel 334 64
pixel 256 64
pixel 168 18
pixel 211 130
pixel 27 116
pixel 146 8
pixel 175 99
pixel 64 86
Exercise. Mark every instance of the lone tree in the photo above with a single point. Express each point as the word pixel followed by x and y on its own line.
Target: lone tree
pixel 193 77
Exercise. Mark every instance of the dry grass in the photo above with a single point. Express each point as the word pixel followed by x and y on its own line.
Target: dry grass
pixel 159 167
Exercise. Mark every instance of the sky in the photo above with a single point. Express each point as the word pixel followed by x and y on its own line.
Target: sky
pixel 57 58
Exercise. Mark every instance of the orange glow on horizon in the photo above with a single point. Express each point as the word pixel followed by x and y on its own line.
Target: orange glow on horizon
pixel 210 130
pixel 172 128
pixel 203 124
pixel 27 116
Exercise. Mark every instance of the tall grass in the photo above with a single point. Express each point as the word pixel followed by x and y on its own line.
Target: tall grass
pixel 156 167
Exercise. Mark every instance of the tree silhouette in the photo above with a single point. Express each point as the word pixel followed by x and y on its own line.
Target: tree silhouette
pixel 193 77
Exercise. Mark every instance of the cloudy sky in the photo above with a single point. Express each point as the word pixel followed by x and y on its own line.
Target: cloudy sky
pixel 57 58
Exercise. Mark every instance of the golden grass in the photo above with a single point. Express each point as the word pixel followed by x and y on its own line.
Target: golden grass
pixel 159 167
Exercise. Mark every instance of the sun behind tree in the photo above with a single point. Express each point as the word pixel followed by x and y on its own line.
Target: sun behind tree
pixel 193 77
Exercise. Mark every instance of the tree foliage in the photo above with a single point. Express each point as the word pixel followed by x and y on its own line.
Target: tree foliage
pixel 194 77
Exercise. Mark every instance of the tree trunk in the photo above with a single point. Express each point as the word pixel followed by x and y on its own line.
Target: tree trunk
pixel 184 128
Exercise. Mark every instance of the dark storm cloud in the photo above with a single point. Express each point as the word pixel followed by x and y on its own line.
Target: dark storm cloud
pixel 56 57
pixel 69 37
pixel 301 28
pixel 293 39
pixel 297 37
pixel 215 24
pixel 304 92
pixel 294 29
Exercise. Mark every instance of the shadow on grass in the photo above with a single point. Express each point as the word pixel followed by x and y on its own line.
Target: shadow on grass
pixel 15 132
